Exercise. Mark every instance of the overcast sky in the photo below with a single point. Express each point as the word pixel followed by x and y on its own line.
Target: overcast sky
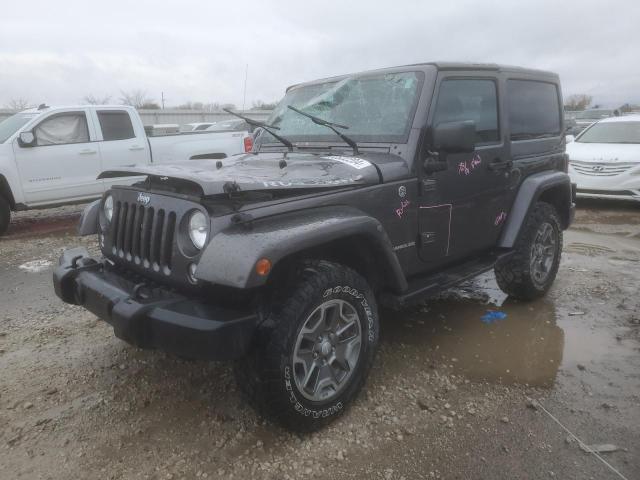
pixel 57 51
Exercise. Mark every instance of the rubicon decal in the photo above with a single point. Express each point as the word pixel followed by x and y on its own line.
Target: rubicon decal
pixel 355 162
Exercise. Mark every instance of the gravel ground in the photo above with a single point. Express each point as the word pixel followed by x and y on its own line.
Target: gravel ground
pixel 448 396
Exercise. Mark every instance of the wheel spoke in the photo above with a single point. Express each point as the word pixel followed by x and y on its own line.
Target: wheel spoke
pixel 344 351
pixel 332 317
pixel 543 252
pixel 314 325
pixel 327 349
pixel 327 380
pixel 312 375
pixel 345 328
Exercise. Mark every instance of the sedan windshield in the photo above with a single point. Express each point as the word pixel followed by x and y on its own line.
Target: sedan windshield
pixel 612 132
pixel 11 125
pixel 375 108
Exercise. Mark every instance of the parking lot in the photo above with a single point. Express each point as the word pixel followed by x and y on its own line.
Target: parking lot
pixel 449 395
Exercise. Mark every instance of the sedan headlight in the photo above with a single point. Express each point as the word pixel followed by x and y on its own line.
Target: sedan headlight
pixel 107 207
pixel 198 229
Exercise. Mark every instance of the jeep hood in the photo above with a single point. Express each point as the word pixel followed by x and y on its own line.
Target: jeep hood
pixel 274 171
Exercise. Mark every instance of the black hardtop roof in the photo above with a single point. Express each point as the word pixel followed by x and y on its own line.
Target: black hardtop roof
pixel 444 66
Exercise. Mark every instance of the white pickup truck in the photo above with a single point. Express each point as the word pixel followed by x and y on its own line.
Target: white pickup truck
pixel 52 156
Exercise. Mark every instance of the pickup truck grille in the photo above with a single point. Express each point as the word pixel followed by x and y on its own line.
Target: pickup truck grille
pixel 143 235
pixel 601 169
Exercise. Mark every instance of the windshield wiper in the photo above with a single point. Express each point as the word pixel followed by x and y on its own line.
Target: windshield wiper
pixel 332 126
pixel 265 126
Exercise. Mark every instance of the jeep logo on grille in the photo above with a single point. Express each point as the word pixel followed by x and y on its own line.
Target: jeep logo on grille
pixel 598 168
pixel 143 199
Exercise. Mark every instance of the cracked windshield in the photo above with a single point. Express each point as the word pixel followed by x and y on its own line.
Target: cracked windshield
pixel 374 108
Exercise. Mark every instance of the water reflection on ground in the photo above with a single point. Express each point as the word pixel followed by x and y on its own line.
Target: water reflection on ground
pixel 525 347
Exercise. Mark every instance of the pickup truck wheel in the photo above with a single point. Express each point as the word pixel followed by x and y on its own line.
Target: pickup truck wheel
pixel 315 350
pixel 5 215
pixel 529 272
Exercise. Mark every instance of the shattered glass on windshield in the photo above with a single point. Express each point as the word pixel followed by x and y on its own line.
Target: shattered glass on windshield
pixel 376 108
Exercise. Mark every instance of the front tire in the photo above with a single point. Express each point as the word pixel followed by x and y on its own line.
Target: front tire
pixel 5 215
pixel 528 273
pixel 315 350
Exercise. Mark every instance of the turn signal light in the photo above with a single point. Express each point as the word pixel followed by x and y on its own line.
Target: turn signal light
pixel 263 267
pixel 248 144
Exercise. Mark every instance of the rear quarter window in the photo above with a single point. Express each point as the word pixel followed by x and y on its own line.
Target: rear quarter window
pixel 534 109
pixel 115 125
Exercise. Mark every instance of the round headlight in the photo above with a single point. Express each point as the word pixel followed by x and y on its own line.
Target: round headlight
pixel 198 229
pixel 108 207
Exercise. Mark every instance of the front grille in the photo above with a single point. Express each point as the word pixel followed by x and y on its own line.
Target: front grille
pixel 143 235
pixel 601 169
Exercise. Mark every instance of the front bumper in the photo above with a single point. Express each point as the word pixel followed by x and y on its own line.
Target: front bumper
pixel 150 316
pixel 617 186
pixel 633 195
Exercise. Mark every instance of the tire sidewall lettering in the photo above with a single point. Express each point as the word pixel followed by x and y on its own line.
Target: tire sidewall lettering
pixel 288 382
pixel 301 409
pixel 354 292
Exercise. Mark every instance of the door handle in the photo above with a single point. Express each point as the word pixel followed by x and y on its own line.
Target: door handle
pixel 87 151
pixel 498 164
pixel 133 148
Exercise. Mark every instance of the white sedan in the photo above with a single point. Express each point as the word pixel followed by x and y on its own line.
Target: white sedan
pixel 604 160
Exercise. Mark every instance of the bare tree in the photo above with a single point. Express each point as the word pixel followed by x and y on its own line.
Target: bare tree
pixel 578 101
pixel 96 100
pixel 18 104
pixel 201 106
pixel 260 105
pixel 135 98
pixel 629 107
pixel 191 106
pixel 149 105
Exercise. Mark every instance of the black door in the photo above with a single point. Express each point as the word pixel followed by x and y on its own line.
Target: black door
pixel 463 208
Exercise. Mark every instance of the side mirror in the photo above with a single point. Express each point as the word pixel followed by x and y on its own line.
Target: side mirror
pixel 455 137
pixel 569 138
pixel 27 139
pixel 434 166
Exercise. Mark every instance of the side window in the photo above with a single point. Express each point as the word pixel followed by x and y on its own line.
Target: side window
pixel 534 109
pixel 63 129
pixel 477 100
pixel 115 125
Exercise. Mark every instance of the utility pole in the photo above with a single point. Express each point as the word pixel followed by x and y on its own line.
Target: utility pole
pixel 162 96
pixel 244 98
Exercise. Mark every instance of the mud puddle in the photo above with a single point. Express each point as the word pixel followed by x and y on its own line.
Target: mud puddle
pixel 525 347
pixel 571 329
pixel 608 217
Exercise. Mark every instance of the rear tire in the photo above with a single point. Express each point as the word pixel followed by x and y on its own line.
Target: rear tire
pixel 5 215
pixel 314 351
pixel 529 272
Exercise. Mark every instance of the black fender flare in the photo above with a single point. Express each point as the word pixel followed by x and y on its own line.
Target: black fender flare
pixel 230 257
pixel 88 223
pixel 530 191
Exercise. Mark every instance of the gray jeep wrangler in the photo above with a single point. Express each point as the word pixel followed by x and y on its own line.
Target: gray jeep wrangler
pixel 378 188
